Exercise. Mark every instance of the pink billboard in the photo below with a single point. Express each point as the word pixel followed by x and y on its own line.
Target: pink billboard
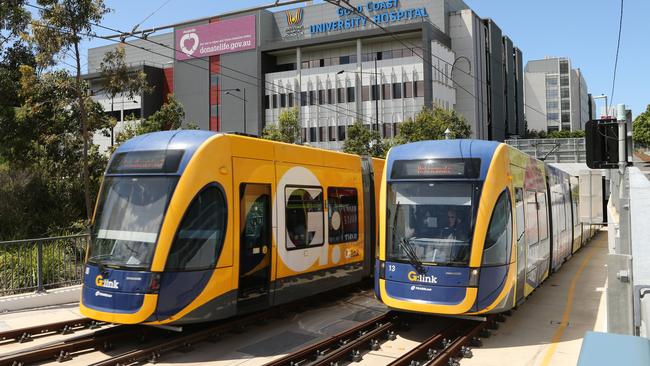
pixel 224 36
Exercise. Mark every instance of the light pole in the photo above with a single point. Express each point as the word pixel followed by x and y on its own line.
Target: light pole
pixel 376 74
pixel 243 99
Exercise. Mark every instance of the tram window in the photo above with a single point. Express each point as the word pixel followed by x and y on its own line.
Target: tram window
pixel 531 218
pixel 200 236
pixel 519 206
pixel 342 215
pixel 498 240
pixel 254 215
pixel 304 217
pixel 543 219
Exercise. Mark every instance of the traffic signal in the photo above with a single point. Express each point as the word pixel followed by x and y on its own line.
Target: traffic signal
pixel 601 140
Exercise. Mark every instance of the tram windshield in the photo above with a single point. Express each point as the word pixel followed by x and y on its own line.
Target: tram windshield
pixel 129 216
pixel 430 222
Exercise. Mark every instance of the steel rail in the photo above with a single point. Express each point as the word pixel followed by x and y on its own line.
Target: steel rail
pixel 22 335
pixel 63 351
pixel 187 340
pixel 344 344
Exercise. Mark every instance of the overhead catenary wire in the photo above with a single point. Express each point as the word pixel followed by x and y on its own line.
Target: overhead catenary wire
pixel 338 109
pixel 392 34
pixel 618 48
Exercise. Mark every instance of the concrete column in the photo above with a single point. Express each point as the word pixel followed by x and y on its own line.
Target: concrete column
pixel 358 78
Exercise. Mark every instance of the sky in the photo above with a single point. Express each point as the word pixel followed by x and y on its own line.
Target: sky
pixel 586 31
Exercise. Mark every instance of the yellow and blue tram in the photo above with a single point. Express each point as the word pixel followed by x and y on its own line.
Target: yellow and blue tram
pixel 193 226
pixel 471 227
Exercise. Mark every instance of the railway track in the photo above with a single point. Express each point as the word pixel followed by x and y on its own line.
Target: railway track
pixel 141 343
pixel 445 347
pixel 23 335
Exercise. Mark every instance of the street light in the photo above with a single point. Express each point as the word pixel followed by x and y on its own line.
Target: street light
pixel 243 99
pixel 378 91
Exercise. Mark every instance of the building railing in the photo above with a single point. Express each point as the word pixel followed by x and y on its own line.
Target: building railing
pixel 41 264
pixel 562 150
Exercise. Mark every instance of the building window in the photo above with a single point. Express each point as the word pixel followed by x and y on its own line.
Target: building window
pixel 553 116
pixel 566 105
pixel 267 101
pixel 386 91
pixel 564 93
pixel 564 67
pixel 419 88
pixel 321 97
pixel 332 133
pixel 397 90
pixel 385 55
pixel 275 100
pixel 564 80
pixel 396 128
pixel 387 130
pixel 303 134
pixel 551 104
pixel 408 89
pixel 303 99
pixel 343 217
pixel 341 133
pixel 304 65
pixel 340 95
pixel 304 217
pixel 321 134
pixel 551 80
pixel 344 60
pixel 566 117
pixel 290 100
pixel 365 93
pixel 375 92
pixel 312 134
pixel 330 96
pixel 283 100
pixel 312 97
pixel 553 128
pixel 350 95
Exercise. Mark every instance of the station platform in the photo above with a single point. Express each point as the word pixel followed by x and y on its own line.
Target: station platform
pixel 549 327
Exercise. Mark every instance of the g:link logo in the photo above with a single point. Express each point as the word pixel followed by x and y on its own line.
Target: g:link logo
pixel 414 277
pixel 101 282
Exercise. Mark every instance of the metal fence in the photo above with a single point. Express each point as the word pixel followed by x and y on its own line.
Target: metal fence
pixel 40 264
pixel 565 150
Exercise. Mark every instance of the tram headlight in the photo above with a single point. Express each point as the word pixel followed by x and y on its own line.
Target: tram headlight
pixel 474 275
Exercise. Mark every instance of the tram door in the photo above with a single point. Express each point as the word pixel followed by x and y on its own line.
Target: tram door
pixel 255 231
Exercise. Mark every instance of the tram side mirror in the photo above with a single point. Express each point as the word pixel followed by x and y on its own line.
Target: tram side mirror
pixel 601 143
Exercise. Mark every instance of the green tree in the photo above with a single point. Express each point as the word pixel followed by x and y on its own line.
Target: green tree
pixel 431 124
pixel 641 128
pixel 117 79
pixel 42 185
pixel 361 140
pixel 62 26
pixel 287 130
pixel 13 20
pixel 169 117
pixel 565 134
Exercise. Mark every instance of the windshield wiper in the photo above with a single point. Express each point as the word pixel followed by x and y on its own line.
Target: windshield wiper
pixel 406 245
pixel 409 250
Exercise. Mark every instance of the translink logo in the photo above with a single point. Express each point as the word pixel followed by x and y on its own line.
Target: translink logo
pixel 101 282
pixel 414 277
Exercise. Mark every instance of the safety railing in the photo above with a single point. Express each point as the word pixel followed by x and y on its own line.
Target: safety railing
pixel 41 264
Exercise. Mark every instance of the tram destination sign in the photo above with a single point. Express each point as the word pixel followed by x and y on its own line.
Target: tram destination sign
pixel 436 168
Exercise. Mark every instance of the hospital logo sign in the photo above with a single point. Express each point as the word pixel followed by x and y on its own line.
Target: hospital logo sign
pixel 294 23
